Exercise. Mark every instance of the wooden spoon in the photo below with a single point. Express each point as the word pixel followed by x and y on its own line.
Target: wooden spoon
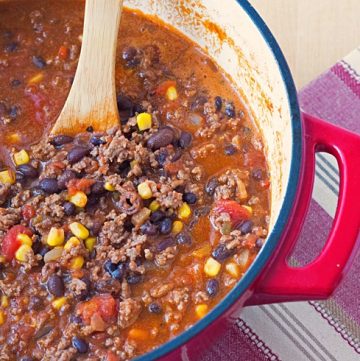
pixel 92 97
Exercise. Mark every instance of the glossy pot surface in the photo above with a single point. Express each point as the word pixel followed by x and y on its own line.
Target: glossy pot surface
pixel 234 35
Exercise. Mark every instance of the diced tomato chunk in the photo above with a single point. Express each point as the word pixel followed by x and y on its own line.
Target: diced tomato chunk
pixel 236 211
pixel 104 305
pixel 28 212
pixel 63 52
pixel 83 184
pixel 111 357
pixel 10 242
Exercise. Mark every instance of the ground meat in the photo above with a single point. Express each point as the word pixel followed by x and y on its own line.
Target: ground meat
pixel 232 185
pixel 179 297
pixel 76 287
pixel 50 213
pixel 113 230
pixel 168 198
pixel 4 192
pixel 129 311
pixel 43 150
pixel 233 240
pixel 20 199
pixel 161 290
pixel 8 218
pixel 165 257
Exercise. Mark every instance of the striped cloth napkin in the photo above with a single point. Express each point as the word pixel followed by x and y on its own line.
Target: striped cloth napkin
pixel 317 330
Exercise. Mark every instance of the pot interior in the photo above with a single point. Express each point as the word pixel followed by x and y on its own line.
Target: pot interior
pixel 231 38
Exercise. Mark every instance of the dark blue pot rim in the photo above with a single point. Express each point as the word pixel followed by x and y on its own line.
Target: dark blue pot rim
pixel 275 236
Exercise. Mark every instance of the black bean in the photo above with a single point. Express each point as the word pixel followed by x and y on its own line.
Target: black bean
pixel 119 272
pixel 124 103
pixel 130 56
pixel 230 110
pixel 212 287
pixel 157 216
pixel 124 168
pixel 230 149
pixel 211 186
pixel 39 62
pixel 65 178
pixel 11 47
pixel 15 83
pixel 14 111
pixel 76 319
pixel 259 243
pixel 69 208
pixel 129 53
pixel 109 266
pixel 177 155
pixel 218 103
pixel 221 253
pixel 80 345
pixel 245 227
pixel 90 129
pixel 96 141
pixel 162 156
pixel 98 188
pixel 61 140
pixel 257 174
pixel 134 278
pixel 189 198
pixel 184 239
pixel 43 250
pixel 55 285
pixel 185 139
pixel 49 185
pixel 165 243
pixel 19 177
pixel 149 229
pixel 154 308
pixel 43 331
pixel 28 170
pixel 180 189
pixel 165 226
pixel 26 358
pixel 76 154
pixel 161 138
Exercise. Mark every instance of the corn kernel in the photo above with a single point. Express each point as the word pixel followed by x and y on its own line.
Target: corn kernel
pixel 21 157
pixel 7 177
pixel 79 230
pixel 77 263
pixel 177 227
pixel 4 301
pixel 55 237
pixel 37 78
pixel 144 190
pixel 23 252
pixel 2 318
pixel 109 187
pixel 71 243
pixel 201 310
pixel 90 243
pixel 184 211
pixel 212 267
pixel 154 206
pixel 13 138
pixel 138 334
pixel 133 163
pixel 59 302
pixel 144 121
pixel 233 269
pixel 79 199
pixel 24 239
pixel 249 209
pixel 171 93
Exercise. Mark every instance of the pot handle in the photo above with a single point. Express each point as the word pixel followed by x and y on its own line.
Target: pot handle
pixel 318 279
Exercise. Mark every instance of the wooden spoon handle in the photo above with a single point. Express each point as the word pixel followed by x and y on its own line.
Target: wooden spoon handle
pixel 92 98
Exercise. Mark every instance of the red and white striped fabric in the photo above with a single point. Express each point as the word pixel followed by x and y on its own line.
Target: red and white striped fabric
pixel 315 331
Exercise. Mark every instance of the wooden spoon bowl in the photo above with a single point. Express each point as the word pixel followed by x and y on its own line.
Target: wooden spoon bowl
pixel 92 97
